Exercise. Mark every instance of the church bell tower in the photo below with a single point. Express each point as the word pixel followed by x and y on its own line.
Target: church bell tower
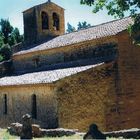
pixel 43 22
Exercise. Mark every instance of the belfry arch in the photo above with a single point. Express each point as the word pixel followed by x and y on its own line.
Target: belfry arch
pixel 56 21
pixel 45 20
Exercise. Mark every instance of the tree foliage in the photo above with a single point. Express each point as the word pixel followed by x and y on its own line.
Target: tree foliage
pixel 1 40
pixel 6 30
pixel 16 34
pixel 70 28
pixel 5 52
pixel 115 8
pixel 135 30
pixel 80 25
pixel 1 58
pixel 83 25
pixel 8 36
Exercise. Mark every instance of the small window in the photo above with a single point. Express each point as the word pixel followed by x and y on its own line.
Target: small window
pixel 5 104
pixel 55 21
pixel 45 20
pixel 34 107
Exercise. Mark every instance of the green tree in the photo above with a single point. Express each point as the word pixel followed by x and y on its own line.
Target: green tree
pixel 6 52
pixel 115 8
pixel 17 36
pixel 1 40
pixel 8 36
pixel 80 25
pixel 12 40
pixel 6 30
pixel 1 58
pixel 70 28
pixel 83 25
pixel 135 30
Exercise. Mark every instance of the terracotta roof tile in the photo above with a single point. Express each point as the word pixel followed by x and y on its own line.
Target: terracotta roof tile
pixel 95 32
pixel 42 77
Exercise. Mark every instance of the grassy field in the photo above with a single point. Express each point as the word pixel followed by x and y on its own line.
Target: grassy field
pixel 4 135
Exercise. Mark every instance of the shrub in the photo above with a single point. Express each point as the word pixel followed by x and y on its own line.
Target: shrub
pixel 6 52
pixel 1 58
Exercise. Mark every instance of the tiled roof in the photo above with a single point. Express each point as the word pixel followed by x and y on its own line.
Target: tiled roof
pixel 95 32
pixel 42 77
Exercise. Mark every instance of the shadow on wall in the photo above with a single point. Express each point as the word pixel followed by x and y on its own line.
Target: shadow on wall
pixel 6 68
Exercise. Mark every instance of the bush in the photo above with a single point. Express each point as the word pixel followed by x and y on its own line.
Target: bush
pixel 1 58
pixel 5 52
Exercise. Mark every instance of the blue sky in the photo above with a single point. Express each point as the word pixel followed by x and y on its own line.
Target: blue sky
pixel 74 12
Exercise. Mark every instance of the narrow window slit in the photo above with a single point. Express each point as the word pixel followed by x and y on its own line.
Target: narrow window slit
pixel 5 104
pixel 34 107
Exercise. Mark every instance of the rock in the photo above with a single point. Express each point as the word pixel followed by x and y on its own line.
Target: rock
pixel 58 132
pixel 15 129
pixel 29 130
pixel 26 132
pixel 126 134
pixel 36 130
pixel 94 133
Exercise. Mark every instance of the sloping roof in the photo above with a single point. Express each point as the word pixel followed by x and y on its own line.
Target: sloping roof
pixel 42 77
pixel 47 3
pixel 95 32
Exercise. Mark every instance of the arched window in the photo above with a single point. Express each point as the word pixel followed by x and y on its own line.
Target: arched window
pixel 5 104
pixel 45 20
pixel 56 21
pixel 34 107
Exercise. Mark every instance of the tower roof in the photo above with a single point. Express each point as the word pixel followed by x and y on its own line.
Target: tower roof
pixel 47 3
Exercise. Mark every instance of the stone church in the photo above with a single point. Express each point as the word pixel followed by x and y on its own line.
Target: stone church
pixel 75 79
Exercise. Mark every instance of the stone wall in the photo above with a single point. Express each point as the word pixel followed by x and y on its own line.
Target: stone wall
pixel 30 27
pixel 6 68
pixel 19 102
pixel 129 73
pixel 18 47
pixel 82 51
pixel 119 93
pixel 125 112
pixel 85 98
